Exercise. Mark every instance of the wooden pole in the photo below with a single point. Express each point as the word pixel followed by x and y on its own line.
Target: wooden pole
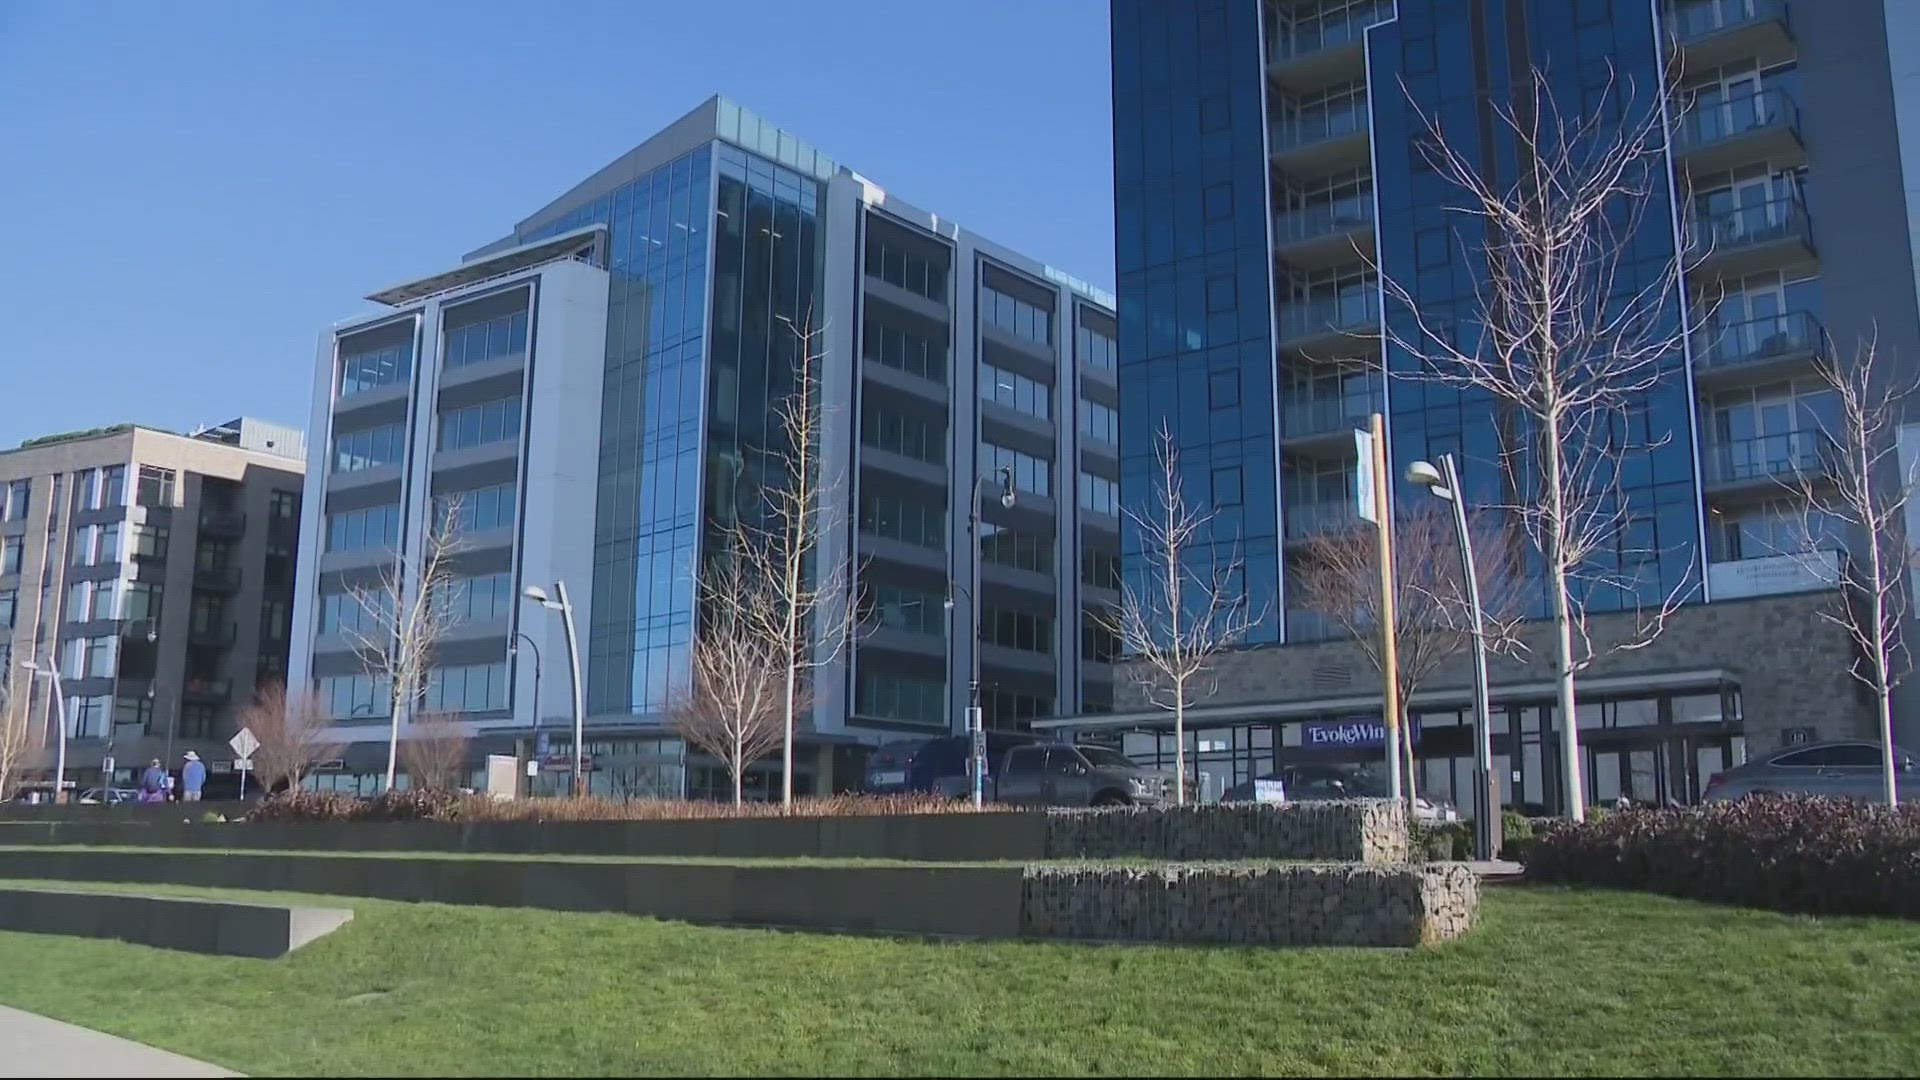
pixel 1389 654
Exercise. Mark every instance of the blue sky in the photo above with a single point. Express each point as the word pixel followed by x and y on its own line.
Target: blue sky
pixel 191 191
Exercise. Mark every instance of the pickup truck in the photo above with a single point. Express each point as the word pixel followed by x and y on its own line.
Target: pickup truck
pixel 1056 774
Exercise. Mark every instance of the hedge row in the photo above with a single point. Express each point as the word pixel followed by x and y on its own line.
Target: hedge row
pixel 1793 853
pixel 428 805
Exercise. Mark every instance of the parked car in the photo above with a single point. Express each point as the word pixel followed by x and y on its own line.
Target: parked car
pixel 1057 774
pixel 934 766
pixel 110 797
pixel 1845 768
pixel 1323 783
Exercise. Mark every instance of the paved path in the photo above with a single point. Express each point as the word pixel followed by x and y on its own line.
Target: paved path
pixel 37 1046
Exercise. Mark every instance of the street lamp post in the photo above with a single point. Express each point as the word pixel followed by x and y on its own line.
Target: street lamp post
pixel 565 607
pixel 52 674
pixel 1444 483
pixel 535 646
pixel 120 662
pixel 976 720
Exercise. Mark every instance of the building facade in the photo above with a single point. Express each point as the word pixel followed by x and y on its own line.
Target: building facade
pixel 154 572
pixel 1269 171
pixel 641 331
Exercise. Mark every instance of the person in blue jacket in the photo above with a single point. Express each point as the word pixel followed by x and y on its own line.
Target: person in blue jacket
pixel 193 777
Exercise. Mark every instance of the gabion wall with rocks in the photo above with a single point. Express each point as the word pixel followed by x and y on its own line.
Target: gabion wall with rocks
pixel 1285 905
pixel 1370 831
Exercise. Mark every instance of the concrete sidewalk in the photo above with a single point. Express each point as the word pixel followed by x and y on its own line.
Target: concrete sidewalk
pixel 37 1046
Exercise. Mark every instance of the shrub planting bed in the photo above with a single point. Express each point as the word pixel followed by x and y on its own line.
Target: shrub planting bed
pixel 1792 853
pixel 425 805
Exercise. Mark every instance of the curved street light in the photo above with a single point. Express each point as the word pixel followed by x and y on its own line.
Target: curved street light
pixel 1444 484
pixel 565 607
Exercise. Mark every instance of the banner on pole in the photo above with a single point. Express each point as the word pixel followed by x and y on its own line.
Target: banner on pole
pixel 1363 478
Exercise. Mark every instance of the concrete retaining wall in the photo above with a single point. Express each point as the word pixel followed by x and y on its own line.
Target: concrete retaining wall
pixel 1251 905
pixel 265 931
pixel 1219 903
pixel 966 901
pixel 1371 831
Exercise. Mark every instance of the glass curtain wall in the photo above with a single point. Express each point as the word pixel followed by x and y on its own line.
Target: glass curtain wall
pixel 648 502
pixel 1452 64
pixel 1196 333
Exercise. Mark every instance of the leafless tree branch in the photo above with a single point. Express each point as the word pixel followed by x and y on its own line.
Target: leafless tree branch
pixel 435 752
pixel 1570 332
pixel 1190 605
pixel 403 617
pixel 1858 491
pixel 294 733
pixel 735 708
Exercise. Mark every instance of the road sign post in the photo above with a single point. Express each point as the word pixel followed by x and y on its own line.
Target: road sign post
pixel 244 743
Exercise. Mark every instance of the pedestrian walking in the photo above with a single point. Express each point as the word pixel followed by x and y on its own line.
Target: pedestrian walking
pixel 193 777
pixel 153 783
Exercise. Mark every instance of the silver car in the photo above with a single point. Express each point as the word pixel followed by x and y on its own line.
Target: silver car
pixel 1847 769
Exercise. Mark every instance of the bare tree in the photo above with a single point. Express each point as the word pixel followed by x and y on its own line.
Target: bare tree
pixel 1190 605
pixel 403 616
pixel 434 752
pixel 736 707
pixel 810 618
pixel 1569 331
pixel 1861 488
pixel 1338 577
pixel 294 732
pixel 14 736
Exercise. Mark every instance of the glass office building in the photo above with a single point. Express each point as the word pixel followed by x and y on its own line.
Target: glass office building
pixel 666 296
pixel 1268 172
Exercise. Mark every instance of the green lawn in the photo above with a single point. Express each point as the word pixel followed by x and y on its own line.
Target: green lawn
pixel 1552 981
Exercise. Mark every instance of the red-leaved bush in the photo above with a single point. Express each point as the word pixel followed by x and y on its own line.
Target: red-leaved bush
pixel 1795 853
pixel 445 806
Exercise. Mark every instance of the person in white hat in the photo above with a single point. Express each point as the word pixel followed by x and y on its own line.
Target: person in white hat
pixel 193 777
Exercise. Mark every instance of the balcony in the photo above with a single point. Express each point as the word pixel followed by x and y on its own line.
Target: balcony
pixel 1711 33
pixel 1746 239
pixel 223 578
pixel 1321 140
pixel 1306 520
pixel 1757 350
pixel 1714 136
pixel 1311 46
pixel 228 523
pixel 217 635
pixel 207 691
pixel 1765 463
pixel 1772 575
pixel 1325 423
pixel 1333 327
pixel 1325 234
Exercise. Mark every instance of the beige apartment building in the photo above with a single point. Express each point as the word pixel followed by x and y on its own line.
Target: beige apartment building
pixel 154 573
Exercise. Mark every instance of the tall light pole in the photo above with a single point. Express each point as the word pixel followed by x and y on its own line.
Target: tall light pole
pixel 976 719
pixel 52 674
pixel 120 662
pixel 565 607
pixel 1444 483
pixel 511 649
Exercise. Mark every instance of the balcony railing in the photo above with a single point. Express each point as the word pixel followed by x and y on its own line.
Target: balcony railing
pixel 1304 33
pixel 223 522
pixel 1782 218
pixel 1782 456
pixel 1691 20
pixel 219 635
pixel 1710 122
pixel 1313 415
pixel 208 690
pixel 1353 312
pixel 1318 125
pixel 221 578
pixel 1317 220
pixel 1773 574
pixel 1305 520
pixel 1775 336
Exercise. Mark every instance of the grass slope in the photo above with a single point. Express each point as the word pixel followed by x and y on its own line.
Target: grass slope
pixel 1553 981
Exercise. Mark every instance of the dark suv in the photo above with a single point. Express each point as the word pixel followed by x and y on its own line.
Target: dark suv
pixel 934 766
